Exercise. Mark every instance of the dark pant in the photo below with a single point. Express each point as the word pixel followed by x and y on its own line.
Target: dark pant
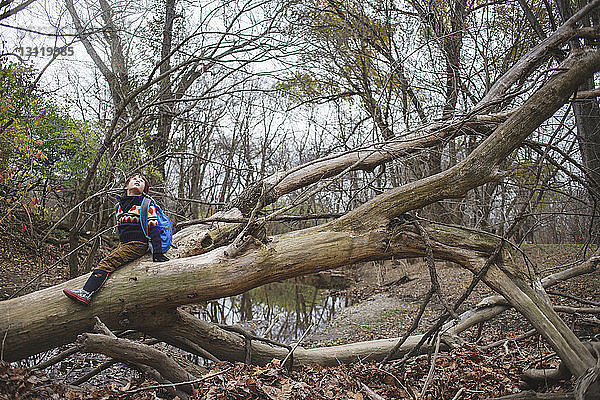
pixel 124 253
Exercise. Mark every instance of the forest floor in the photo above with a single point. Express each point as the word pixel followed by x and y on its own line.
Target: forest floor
pixel 387 299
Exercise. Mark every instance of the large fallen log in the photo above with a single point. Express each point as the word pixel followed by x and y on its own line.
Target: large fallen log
pixel 133 352
pixel 140 295
pixel 230 346
pixel 492 306
pixel 147 312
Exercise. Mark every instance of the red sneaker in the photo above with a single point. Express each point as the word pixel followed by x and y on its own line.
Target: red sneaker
pixel 79 295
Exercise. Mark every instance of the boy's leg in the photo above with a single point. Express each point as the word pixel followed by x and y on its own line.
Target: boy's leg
pixel 124 253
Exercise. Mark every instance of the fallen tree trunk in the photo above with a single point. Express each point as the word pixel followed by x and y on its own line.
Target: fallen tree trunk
pixel 145 313
pixel 137 353
pixel 139 296
pixel 230 346
pixel 492 306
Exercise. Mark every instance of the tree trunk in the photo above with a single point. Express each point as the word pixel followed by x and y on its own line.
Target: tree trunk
pixel 157 145
pixel 587 115
pixel 126 350
pixel 229 346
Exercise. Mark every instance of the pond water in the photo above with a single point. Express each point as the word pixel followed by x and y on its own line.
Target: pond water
pixel 278 311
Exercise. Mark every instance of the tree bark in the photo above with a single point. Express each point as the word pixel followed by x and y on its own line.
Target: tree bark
pixel 128 351
pixel 230 346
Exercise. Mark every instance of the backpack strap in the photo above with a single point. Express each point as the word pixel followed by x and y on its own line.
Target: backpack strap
pixel 117 204
pixel 144 215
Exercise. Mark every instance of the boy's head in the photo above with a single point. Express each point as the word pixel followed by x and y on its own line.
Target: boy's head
pixel 136 185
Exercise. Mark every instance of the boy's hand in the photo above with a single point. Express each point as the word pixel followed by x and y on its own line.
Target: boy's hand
pixel 159 257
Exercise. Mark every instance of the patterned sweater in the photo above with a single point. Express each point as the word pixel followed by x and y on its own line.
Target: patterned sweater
pixel 127 212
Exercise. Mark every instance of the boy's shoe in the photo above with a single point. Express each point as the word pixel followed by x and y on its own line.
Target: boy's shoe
pixel 80 295
pixel 159 257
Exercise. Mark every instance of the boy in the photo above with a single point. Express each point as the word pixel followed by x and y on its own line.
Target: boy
pixel 132 242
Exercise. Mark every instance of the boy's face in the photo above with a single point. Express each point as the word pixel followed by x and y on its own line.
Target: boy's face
pixel 135 186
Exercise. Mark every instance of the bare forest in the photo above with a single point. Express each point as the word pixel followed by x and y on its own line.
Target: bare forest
pixel 440 158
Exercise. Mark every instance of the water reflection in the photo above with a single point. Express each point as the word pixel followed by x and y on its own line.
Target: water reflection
pixel 278 311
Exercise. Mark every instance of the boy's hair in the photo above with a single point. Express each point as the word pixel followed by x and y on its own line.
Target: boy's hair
pixel 146 184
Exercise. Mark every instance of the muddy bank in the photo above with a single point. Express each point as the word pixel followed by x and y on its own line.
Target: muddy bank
pixel 388 297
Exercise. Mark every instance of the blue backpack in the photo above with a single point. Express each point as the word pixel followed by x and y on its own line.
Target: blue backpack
pixel 164 223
